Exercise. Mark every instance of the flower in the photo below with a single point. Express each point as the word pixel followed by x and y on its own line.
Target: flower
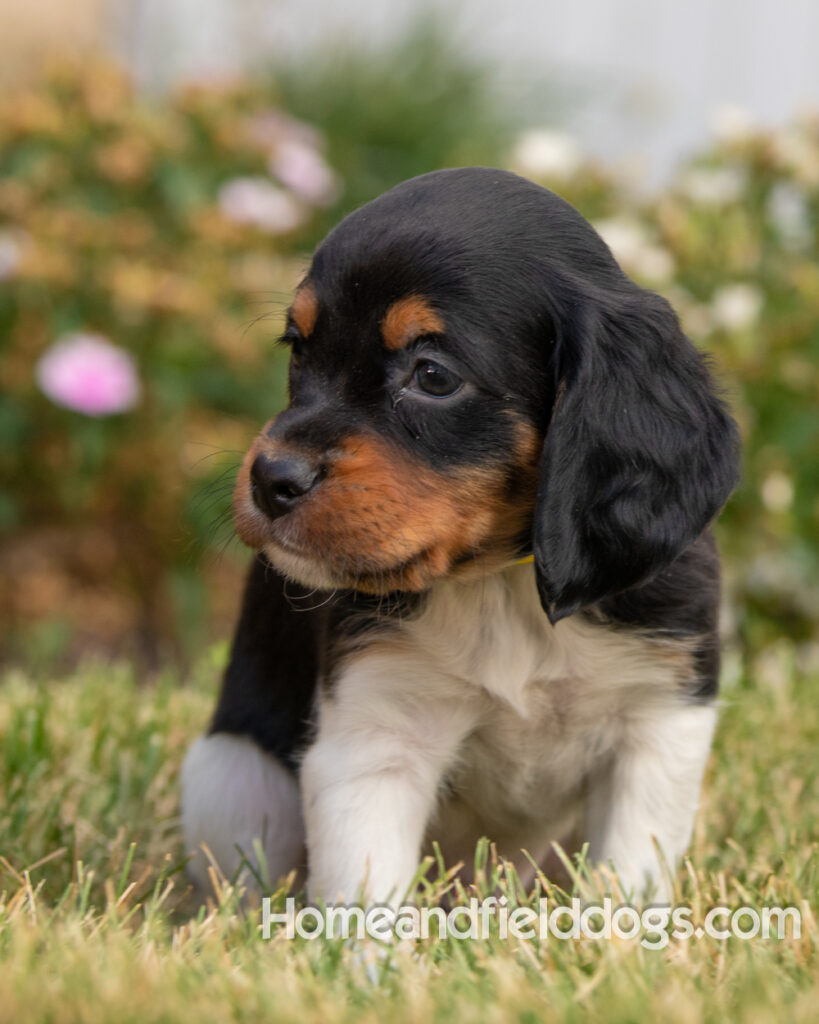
pixel 732 124
pixel 88 374
pixel 295 158
pixel 257 202
pixel 777 491
pixel 789 212
pixel 796 152
pixel 301 167
pixel 10 254
pixel 632 246
pixel 547 154
pixel 713 186
pixel 694 316
pixel 736 307
pixel 273 127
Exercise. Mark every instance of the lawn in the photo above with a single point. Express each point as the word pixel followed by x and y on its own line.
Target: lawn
pixel 97 923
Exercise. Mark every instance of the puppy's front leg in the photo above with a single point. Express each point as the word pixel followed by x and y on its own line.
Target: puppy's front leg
pixel 387 733
pixel 651 795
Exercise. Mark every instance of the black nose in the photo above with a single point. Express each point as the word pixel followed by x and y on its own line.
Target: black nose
pixel 278 484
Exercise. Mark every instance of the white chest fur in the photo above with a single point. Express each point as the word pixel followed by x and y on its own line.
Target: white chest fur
pixel 552 702
pixel 480 698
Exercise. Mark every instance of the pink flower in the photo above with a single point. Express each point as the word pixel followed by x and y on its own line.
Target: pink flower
pixel 301 167
pixel 258 203
pixel 273 127
pixel 88 374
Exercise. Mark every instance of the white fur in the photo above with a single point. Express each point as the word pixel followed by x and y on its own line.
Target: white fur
pixel 233 793
pixel 651 789
pixel 519 719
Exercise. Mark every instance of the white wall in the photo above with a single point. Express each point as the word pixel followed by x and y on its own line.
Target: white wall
pixel 646 74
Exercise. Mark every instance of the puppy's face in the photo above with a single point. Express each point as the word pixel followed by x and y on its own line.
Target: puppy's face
pixel 408 451
pixel 472 378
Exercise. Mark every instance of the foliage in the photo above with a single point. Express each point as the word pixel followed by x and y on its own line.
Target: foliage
pixel 96 925
pixel 392 112
pixel 113 207
pixel 162 228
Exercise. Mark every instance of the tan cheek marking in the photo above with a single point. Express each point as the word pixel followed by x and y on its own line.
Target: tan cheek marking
pixel 408 318
pixel 304 309
pixel 377 506
pixel 381 508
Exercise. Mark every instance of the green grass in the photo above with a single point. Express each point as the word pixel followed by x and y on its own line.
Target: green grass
pixel 96 922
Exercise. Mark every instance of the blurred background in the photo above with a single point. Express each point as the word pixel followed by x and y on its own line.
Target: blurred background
pixel 166 167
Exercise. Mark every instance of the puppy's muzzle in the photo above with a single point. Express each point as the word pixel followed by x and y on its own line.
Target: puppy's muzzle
pixel 278 485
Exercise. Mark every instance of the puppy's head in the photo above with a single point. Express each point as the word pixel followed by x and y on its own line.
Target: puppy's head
pixel 472 379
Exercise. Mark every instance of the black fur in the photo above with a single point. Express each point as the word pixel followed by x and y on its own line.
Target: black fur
pixel 640 456
pixel 680 602
pixel 268 689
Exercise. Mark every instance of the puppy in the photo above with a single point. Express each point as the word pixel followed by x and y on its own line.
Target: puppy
pixel 485 599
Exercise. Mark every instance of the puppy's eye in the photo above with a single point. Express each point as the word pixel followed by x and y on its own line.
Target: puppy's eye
pixel 292 337
pixel 436 380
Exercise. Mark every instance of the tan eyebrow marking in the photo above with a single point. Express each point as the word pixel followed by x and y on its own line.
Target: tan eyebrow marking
pixel 408 318
pixel 304 309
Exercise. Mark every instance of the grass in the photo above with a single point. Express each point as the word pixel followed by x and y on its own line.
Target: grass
pixel 97 923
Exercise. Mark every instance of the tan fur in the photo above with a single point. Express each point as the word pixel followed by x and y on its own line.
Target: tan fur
pixel 386 521
pixel 304 309
pixel 408 319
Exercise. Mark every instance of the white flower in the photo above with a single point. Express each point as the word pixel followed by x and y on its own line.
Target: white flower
pixel 301 167
pixel 713 186
pixel 777 491
pixel 623 235
pixel 736 307
pixel 257 202
pixel 542 153
pixel 653 263
pixel 798 153
pixel 10 254
pixel 695 317
pixel 634 248
pixel 732 124
pixel 789 213
pixel 697 320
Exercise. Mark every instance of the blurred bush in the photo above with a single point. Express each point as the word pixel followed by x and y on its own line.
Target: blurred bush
pixel 414 105
pixel 110 221
pixel 166 237
pixel 164 240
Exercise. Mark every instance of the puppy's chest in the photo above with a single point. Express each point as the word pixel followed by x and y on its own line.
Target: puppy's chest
pixel 551 703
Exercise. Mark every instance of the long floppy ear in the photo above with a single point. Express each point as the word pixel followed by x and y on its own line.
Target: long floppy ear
pixel 640 455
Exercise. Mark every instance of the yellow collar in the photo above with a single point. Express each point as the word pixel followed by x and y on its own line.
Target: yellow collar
pixel 525 561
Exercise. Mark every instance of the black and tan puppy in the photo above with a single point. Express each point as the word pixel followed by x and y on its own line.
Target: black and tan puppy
pixel 486 596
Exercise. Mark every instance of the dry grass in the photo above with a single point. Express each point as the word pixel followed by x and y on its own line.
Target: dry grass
pixel 96 923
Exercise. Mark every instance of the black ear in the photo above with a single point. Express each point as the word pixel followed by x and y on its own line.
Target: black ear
pixel 640 455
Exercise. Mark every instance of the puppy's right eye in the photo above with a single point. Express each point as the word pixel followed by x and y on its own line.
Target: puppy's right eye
pixel 436 380
pixel 293 338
